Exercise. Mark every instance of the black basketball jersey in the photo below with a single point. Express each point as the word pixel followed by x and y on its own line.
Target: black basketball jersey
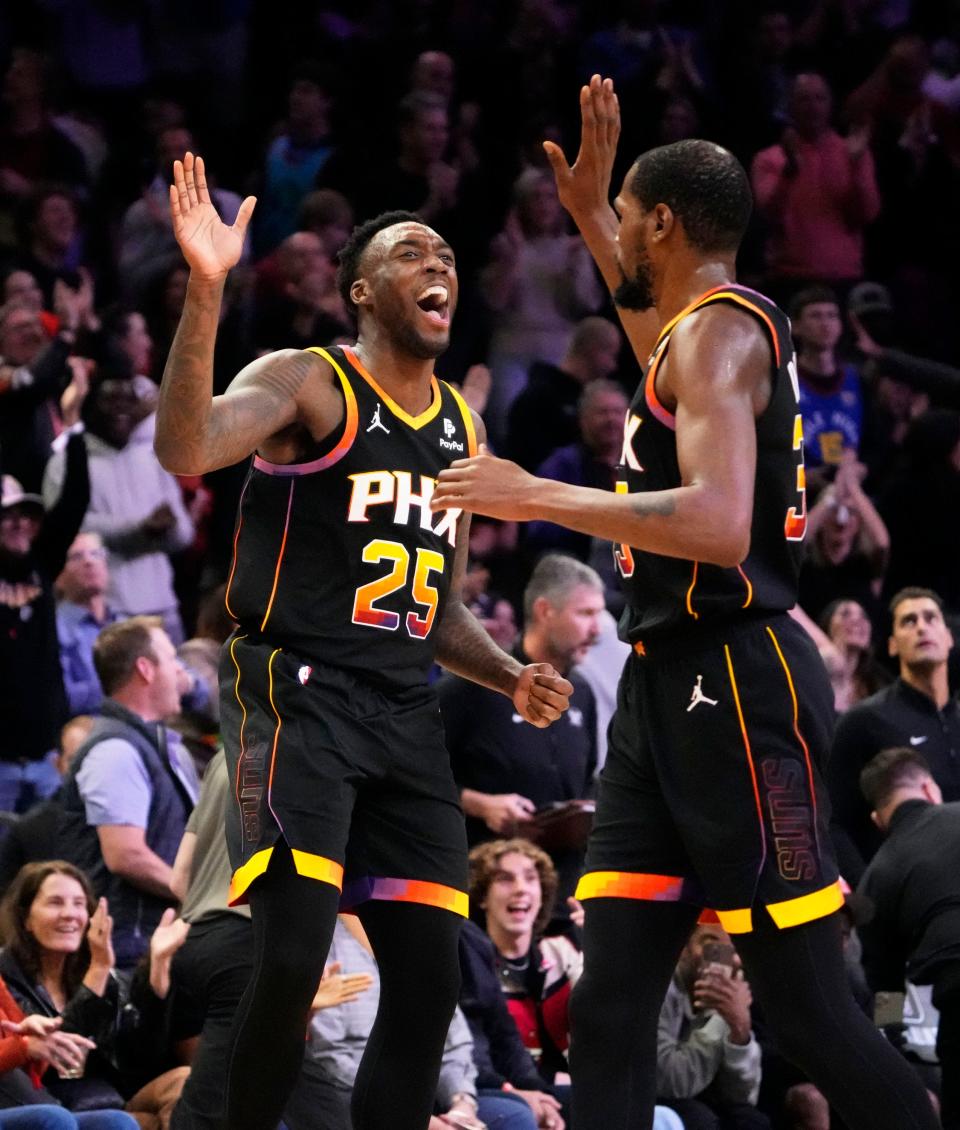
pixel 667 594
pixel 339 559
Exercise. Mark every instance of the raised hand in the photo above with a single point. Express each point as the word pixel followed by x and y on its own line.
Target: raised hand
pixel 100 937
pixel 584 187
pixel 210 246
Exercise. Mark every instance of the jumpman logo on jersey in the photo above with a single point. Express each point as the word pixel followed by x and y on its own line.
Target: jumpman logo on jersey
pixel 698 696
pixel 376 422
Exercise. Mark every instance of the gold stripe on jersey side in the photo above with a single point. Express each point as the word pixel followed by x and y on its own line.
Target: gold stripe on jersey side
pixel 749 597
pixel 276 733
pixel 283 546
pixel 796 730
pixel 749 753
pixel 236 539
pixel 693 585
pixel 415 422
pixel 467 419
pixel 243 711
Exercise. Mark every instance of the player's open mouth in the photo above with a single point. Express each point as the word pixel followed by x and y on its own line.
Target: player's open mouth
pixel 435 304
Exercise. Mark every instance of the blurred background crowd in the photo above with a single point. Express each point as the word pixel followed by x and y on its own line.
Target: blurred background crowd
pixel 846 114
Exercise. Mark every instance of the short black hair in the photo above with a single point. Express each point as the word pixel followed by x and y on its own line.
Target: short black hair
pixel 704 185
pixel 348 260
pixel 913 592
pixel 812 296
pixel 890 770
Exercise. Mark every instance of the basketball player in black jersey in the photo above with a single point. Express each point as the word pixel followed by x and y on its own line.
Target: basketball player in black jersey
pixel 711 796
pixel 345 588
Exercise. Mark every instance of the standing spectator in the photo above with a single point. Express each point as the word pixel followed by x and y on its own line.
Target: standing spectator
pixel 914 884
pixel 82 613
pixel 147 249
pixel 848 543
pixel 544 416
pixel 589 462
pixel 538 284
pixel 301 147
pixel 708 1060
pixel 135 505
pixel 506 771
pixel 127 341
pixel 33 549
pixel 917 712
pixel 132 786
pixel 914 502
pixel 32 149
pixel 831 400
pixel 817 191
pixel 33 372
pixel 52 240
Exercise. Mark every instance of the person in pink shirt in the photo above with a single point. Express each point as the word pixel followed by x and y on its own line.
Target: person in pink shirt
pixel 817 191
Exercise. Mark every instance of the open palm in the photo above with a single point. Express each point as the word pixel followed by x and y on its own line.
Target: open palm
pixel 210 246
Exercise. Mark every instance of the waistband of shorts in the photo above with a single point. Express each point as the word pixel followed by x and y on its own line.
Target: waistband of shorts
pixel 723 629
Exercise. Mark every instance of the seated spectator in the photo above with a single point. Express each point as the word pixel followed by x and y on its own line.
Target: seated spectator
pixel 29 1045
pixel 338 1037
pixel 135 505
pixel 590 462
pixel 544 415
pixel 539 283
pixel 913 882
pixel 328 214
pixel 924 544
pixel 23 286
pixel 513 885
pixel 33 837
pixel 507 771
pixel 298 279
pixel 132 786
pixel 33 550
pixel 917 711
pixel 57 961
pixel 848 546
pixel 82 612
pixel 831 400
pixel 127 344
pixel 817 191
pixel 708 1060
pixel 848 628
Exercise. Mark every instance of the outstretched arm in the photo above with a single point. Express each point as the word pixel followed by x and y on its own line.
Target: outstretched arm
pixel 197 432
pixel 465 648
pixel 719 373
pixel 584 190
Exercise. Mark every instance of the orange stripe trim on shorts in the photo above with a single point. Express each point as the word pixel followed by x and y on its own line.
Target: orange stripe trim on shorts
pixel 736 921
pixel 630 885
pixel 749 752
pixel 283 546
pixel 806 908
pixel 243 876
pixel 406 890
pixel 318 867
pixel 800 738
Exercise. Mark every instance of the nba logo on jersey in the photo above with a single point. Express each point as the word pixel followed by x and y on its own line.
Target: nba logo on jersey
pixel 449 429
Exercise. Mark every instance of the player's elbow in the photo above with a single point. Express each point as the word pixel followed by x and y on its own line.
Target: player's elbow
pixel 177 458
pixel 728 548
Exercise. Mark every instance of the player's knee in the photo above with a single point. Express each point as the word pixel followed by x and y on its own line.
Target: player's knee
pixel 806 1108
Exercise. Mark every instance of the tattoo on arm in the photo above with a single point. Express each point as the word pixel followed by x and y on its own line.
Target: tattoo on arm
pixel 660 502
pixel 197 432
pixel 465 648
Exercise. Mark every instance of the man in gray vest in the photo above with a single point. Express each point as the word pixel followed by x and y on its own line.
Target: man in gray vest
pixel 132 785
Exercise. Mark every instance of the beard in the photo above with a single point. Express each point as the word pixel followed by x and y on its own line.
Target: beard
pixel 410 340
pixel 636 293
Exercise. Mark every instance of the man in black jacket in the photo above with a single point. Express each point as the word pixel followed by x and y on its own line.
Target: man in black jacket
pixel 914 884
pixel 33 549
pixel 917 711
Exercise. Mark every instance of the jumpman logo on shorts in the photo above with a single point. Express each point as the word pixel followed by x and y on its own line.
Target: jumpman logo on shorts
pixel 376 422
pixel 698 696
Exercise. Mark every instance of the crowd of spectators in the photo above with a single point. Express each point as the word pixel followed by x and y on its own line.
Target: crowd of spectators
pixel 846 114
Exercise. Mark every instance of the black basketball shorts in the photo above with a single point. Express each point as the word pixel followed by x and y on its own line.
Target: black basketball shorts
pixel 712 793
pixel 356 782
